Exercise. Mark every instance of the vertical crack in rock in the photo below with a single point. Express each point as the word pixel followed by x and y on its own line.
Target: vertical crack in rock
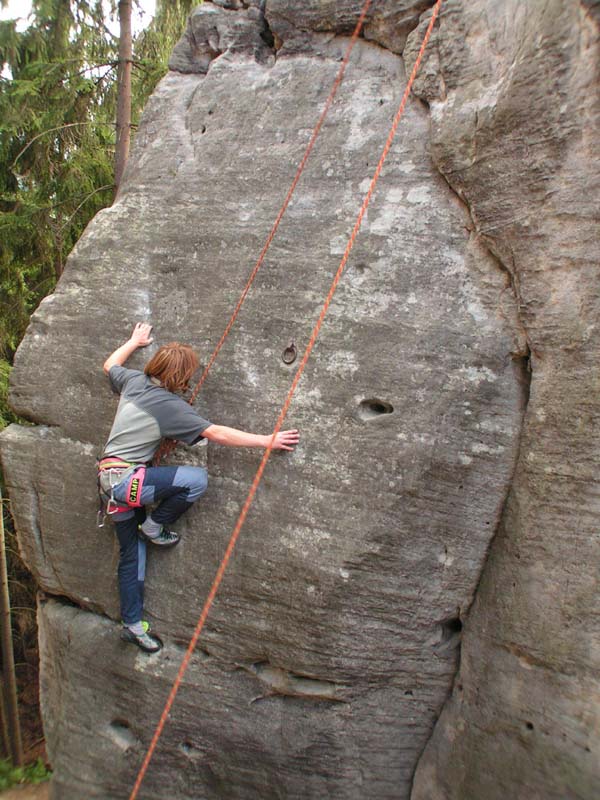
pixel 187 119
pixel 522 339
pixel 267 34
pixel 35 521
pixel 521 359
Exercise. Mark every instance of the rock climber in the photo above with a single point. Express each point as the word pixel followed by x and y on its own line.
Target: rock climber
pixel 150 409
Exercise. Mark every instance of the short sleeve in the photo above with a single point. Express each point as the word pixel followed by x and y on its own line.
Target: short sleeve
pixel 119 376
pixel 181 422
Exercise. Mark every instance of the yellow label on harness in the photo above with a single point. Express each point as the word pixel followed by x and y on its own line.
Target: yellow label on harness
pixel 134 490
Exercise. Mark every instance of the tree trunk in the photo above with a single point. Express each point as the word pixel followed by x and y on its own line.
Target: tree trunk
pixel 124 90
pixel 8 660
pixel 6 751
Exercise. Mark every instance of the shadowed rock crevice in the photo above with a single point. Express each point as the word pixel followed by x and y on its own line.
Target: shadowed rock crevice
pixel 284 683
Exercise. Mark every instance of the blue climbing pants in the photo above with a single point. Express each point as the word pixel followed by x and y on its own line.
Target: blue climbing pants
pixel 175 489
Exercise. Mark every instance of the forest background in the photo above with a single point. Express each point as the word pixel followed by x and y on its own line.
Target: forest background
pixel 58 106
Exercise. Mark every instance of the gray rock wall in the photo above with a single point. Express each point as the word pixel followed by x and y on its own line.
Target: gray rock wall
pixel 514 121
pixel 334 643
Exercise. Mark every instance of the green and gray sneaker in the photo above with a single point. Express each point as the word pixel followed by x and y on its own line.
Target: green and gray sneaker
pixel 148 642
pixel 165 538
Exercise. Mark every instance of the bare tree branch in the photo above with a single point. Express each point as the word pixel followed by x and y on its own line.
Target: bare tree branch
pixel 85 199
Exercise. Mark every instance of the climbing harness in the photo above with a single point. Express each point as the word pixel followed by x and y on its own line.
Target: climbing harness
pixel 111 472
pixel 313 338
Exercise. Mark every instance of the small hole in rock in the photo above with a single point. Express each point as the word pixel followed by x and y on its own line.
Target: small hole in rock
pixel 373 408
pixel 203 129
pixel 451 627
pixel 409 692
pixel 122 735
pixel 529 726
pixel 210 111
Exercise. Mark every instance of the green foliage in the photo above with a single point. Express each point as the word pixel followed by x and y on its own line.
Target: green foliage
pixel 6 415
pixel 13 776
pixel 154 45
pixel 56 123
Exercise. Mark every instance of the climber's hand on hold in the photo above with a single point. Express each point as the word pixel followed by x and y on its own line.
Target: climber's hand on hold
pixel 141 335
pixel 139 338
pixel 286 440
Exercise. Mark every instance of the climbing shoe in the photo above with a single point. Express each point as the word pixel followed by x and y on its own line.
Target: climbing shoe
pixel 165 538
pixel 145 625
pixel 148 642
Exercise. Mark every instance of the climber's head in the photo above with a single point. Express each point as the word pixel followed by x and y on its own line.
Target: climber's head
pixel 173 365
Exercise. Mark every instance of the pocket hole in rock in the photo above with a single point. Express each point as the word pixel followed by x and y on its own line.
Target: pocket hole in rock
pixel 450 628
pixel 122 735
pixel 373 408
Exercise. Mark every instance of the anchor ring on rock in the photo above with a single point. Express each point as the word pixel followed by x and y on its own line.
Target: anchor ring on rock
pixel 290 354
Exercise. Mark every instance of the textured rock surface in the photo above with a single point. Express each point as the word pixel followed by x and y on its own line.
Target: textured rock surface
pixel 515 123
pixel 334 642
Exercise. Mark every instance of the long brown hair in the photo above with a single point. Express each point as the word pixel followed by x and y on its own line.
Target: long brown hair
pixel 173 365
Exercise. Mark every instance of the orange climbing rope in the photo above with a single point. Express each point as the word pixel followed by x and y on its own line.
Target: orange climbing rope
pixel 168 447
pixel 259 473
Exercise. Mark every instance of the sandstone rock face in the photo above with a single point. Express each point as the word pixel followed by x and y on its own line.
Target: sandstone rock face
pixel 515 130
pixel 334 642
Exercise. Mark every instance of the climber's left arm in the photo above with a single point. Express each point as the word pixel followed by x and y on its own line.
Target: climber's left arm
pixel 139 338
pixel 232 437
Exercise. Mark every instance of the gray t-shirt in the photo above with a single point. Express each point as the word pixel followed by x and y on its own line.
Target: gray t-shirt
pixel 146 414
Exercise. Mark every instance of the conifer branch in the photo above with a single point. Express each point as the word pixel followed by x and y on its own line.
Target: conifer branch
pixel 57 128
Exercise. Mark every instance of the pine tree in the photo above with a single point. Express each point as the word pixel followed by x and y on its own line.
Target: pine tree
pixel 56 131
pixel 57 138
